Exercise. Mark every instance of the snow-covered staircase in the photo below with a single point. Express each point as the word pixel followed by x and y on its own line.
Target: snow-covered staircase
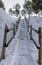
pixel 21 50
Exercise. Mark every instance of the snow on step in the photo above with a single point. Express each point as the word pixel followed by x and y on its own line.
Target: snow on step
pixel 2 28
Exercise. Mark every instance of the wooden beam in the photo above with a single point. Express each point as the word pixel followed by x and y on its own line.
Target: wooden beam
pixel 40 42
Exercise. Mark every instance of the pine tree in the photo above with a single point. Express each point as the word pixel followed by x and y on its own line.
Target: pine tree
pixel 2 5
pixel 17 9
pixel 28 7
pixel 37 5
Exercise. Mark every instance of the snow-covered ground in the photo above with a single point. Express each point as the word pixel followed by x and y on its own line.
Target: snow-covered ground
pixel 21 51
pixel 5 19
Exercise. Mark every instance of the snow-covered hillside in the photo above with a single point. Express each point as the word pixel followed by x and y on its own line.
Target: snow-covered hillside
pixel 21 51
pixel 5 18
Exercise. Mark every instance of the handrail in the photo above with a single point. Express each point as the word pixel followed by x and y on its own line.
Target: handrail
pixel 5 35
pixel 14 32
pixel 6 45
pixel 35 43
pixel 37 31
pixel 4 42
pixel 15 27
pixel 31 38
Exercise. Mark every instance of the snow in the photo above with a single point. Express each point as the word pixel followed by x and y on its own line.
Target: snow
pixel 4 19
pixel 21 50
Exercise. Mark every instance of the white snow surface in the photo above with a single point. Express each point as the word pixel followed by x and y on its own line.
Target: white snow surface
pixel 5 19
pixel 21 51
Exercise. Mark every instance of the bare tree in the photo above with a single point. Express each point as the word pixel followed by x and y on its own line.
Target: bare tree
pixel 10 11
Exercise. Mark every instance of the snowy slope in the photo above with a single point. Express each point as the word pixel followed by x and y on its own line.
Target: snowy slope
pixel 36 22
pixel 21 50
pixel 5 19
pixel 3 16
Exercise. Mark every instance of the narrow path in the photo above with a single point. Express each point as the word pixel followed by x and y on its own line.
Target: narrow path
pixel 26 48
pixel 23 51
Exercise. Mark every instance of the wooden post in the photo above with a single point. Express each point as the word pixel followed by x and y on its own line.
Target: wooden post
pixel 28 26
pixel 4 43
pixel 30 32
pixel 17 26
pixel 19 18
pixel 13 30
pixel 40 42
pixel 25 18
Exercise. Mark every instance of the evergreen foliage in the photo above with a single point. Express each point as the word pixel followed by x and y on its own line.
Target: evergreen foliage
pixel 2 5
pixel 37 5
